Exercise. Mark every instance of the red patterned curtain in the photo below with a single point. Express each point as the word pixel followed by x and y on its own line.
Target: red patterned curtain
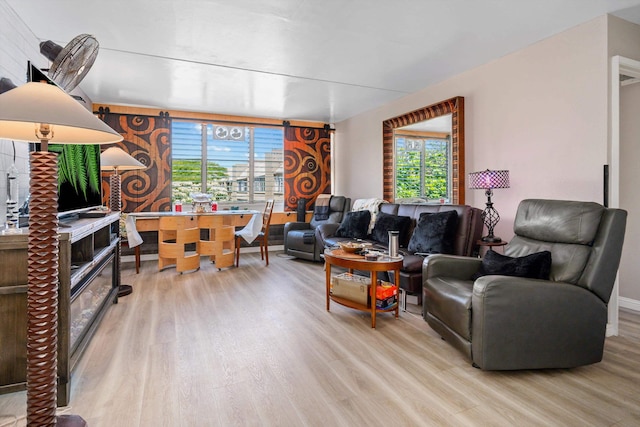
pixel 307 165
pixel 148 139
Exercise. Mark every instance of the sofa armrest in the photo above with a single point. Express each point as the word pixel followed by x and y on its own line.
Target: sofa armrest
pixel 456 266
pixel 523 323
pixel 326 230
pixel 289 226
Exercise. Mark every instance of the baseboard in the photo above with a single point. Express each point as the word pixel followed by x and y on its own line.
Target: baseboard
pixel 629 303
pixel 154 257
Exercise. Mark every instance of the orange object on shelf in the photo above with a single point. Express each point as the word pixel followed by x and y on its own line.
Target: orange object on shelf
pixel 386 290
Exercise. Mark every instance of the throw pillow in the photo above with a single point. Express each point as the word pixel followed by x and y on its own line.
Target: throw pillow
pixel 355 225
pixel 533 266
pixel 435 233
pixel 386 222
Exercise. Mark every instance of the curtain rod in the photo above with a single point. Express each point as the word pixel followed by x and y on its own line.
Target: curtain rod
pixel 165 115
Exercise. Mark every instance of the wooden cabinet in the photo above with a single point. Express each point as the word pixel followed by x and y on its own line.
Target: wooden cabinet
pixel 88 281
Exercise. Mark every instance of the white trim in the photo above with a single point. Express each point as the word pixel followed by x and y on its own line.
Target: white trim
pixel 629 67
pixel 629 82
pixel 154 256
pixel 631 304
pixel 614 177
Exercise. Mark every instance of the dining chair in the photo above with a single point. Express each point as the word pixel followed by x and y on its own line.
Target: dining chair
pixel 262 237
pixel 219 245
pixel 175 233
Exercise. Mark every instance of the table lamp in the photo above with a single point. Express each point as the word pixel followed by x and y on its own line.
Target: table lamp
pixel 43 112
pixel 116 159
pixel 488 180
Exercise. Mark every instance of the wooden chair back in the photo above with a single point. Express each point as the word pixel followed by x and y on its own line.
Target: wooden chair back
pixel 266 217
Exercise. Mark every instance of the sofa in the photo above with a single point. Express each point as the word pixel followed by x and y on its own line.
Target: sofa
pixel 463 238
pixel 300 237
pixel 543 303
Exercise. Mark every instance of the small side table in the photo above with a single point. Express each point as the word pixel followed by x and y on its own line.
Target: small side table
pixel 491 245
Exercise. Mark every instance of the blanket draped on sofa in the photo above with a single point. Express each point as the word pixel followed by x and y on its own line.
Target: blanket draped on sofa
pixel 321 210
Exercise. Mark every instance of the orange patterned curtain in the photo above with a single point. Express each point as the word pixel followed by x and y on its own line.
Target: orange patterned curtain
pixel 148 139
pixel 307 164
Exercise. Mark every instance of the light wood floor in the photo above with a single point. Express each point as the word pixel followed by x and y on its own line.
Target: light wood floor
pixel 255 346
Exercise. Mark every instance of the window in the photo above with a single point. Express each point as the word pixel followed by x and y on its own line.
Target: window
pixel 423 167
pixel 222 160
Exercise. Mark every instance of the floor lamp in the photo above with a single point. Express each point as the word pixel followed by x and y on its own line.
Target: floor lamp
pixel 116 159
pixel 43 112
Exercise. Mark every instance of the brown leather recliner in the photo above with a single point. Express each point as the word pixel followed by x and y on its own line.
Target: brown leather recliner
pixel 505 322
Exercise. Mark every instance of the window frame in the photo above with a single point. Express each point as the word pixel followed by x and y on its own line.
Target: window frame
pixel 453 106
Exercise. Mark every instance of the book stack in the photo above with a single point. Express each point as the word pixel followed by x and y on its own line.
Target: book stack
pixel 386 295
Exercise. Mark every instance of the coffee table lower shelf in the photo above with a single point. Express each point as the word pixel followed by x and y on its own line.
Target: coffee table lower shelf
pixel 361 307
pixel 335 257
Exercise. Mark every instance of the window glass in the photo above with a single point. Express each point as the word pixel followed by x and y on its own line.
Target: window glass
pixel 233 157
pixel 423 168
pixel 186 159
pixel 268 164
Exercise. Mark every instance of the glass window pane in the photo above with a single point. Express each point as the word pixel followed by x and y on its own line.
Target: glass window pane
pixel 186 159
pixel 423 168
pixel 228 162
pixel 268 164
pixel 408 168
pixel 231 175
pixel 436 169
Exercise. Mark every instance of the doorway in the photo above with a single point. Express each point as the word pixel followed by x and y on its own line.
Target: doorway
pixel 624 72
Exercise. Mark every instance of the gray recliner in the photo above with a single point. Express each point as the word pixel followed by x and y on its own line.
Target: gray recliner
pixel 506 322
pixel 300 239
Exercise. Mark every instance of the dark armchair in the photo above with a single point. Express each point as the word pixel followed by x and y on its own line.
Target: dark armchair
pixel 300 237
pixel 504 322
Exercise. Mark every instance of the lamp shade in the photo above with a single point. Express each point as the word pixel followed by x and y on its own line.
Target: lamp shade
pixel 26 107
pixel 488 179
pixel 115 158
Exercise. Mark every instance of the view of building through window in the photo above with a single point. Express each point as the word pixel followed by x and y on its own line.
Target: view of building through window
pixel 231 163
pixel 423 168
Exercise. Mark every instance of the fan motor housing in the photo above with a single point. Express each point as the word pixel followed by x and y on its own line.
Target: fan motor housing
pixel 50 50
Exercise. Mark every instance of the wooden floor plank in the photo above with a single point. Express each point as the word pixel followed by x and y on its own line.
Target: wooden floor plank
pixel 255 346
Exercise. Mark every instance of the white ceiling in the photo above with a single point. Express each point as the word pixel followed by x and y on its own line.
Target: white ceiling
pixel 320 60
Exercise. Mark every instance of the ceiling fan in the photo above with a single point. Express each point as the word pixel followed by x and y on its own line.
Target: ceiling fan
pixel 72 63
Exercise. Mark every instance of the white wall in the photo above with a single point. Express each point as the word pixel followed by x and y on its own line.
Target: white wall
pixel 540 112
pixel 17 46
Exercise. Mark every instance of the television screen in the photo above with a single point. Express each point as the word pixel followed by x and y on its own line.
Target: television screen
pixel 79 184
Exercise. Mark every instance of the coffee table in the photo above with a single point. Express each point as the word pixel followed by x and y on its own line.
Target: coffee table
pixel 340 258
